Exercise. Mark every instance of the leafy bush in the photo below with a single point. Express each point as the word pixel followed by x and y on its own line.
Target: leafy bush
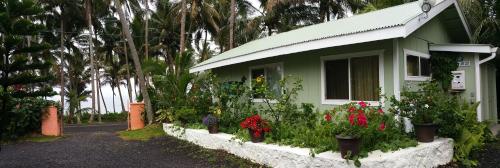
pixel 24 118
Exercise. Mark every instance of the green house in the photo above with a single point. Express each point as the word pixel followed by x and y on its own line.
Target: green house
pixel 351 59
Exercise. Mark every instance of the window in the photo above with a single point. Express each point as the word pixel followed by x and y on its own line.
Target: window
pixel 418 66
pixel 272 74
pixel 349 79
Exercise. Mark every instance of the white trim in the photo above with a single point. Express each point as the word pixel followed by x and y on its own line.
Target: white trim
pixel 464 20
pixel 396 72
pixel 478 86
pixel 374 35
pixel 417 54
pixel 367 36
pixel 379 53
pixel 467 48
pixel 280 64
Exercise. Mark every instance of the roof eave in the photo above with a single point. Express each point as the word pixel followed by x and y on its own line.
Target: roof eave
pixel 374 35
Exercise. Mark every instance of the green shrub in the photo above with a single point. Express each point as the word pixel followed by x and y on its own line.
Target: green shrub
pixel 24 118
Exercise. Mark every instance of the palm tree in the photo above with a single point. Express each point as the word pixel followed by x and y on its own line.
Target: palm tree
pixel 482 16
pixel 231 24
pixel 88 12
pixel 135 58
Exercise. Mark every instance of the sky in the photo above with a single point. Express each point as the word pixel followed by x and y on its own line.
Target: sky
pixel 108 92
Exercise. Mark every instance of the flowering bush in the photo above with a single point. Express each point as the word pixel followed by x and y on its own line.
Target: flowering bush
pixel 354 119
pixel 256 124
pixel 422 106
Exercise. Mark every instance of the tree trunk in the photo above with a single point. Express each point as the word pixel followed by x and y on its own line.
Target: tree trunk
pixel 137 64
pixel 79 113
pixel 121 98
pixel 129 87
pixel 183 35
pixel 231 24
pixel 114 109
pixel 146 31
pixel 61 72
pixel 88 11
pixel 102 97
pixel 98 87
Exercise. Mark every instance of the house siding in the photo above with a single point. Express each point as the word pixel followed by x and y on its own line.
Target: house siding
pixel 307 66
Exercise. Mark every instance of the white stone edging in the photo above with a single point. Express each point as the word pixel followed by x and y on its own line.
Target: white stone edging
pixel 439 152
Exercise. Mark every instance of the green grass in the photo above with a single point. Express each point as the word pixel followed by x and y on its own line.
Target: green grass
pixel 41 138
pixel 148 132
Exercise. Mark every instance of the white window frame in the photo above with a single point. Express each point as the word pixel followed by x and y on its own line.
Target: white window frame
pixel 420 55
pixel 379 53
pixel 280 64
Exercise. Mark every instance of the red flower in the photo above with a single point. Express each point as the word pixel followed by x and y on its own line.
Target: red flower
pixel 362 120
pixel 266 129
pixel 256 134
pixel 362 104
pixel 381 127
pixel 328 117
pixel 352 109
pixel 351 118
pixel 380 111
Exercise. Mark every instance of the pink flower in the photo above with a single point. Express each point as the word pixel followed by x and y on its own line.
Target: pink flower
pixel 381 127
pixel 362 104
pixel 351 118
pixel 362 120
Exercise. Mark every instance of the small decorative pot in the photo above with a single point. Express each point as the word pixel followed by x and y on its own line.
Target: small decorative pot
pixel 425 132
pixel 348 143
pixel 213 129
pixel 256 139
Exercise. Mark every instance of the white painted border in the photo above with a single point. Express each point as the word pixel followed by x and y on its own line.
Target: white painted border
pixel 420 55
pixel 431 154
pixel 467 48
pixel 280 64
pixel 379 53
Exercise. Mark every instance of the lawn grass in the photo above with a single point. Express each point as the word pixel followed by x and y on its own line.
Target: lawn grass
pixel 41 138
pixel 148 132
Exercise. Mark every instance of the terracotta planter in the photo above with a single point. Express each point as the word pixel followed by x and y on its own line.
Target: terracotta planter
pixel 346 144
pixel 256 139
pixel 50 122
pixel 425 132
pixel 135 116
pixel 213 129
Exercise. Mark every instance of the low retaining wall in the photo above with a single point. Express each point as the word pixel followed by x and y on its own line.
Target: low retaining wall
pixel 432 154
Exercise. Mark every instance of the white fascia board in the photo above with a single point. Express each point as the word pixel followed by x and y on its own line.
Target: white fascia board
pixel 375 35
pixel 464 20
pixel 418 21
pixel 467 48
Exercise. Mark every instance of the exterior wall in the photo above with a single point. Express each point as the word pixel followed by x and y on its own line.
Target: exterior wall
pixel 488 93
pixel 307 66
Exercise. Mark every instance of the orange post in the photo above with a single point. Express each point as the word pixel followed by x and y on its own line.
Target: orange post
pixel 50 122
pixel 135 116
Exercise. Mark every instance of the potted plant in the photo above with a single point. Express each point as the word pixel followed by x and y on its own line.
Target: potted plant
pixel 351 122
pixel 422 108
pixel 212 123
pixel 257 127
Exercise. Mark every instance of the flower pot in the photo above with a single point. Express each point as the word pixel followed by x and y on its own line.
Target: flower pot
pixel 256 139
pixel 213 129
pixel 425 132
pixel 348 143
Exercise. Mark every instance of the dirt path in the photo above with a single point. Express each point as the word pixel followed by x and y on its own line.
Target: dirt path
pixel 98 146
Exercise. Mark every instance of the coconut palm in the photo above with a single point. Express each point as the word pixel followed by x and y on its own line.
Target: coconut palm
pixel 135 57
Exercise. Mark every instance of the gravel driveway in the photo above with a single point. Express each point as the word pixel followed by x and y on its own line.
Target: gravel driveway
pixel 99 146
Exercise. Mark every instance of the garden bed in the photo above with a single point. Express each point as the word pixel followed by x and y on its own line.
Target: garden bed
pixel 439 152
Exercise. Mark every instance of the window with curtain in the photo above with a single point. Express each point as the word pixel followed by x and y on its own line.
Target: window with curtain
pixel 417 66
pixel 363 74
pixel 272 75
